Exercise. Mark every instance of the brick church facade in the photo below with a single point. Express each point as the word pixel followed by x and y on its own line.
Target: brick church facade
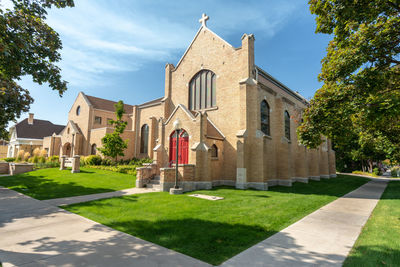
pixel 238 122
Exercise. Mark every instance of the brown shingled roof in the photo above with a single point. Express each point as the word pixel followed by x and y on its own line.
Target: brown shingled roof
pixel 38 130
pixel 152 102
pixel 100 103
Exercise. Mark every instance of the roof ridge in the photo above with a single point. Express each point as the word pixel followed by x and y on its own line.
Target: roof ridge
pixel 107 100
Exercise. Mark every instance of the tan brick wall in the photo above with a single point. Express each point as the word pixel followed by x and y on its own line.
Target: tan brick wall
pixel 3 151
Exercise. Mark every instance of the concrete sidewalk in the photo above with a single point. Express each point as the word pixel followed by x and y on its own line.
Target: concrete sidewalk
pixel 323 238
pixel 34 233
pixel 78 199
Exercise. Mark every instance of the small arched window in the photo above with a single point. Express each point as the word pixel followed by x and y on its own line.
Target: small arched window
pixel 264 110
pixel 144 139
pixel 94 149
pixel 287 125
pixel 214 151
pixel 78 110
pixel 202 90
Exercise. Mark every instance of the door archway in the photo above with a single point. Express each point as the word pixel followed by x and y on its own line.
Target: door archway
pixel 183 155
pixel 67 149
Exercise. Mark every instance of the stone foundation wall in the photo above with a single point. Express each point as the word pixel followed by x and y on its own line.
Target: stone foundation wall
pixel 186 175
pixel 17 168
pixel 4 167
pixel 145 174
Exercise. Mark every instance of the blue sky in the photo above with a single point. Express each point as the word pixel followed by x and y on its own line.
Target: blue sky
pixel 118 49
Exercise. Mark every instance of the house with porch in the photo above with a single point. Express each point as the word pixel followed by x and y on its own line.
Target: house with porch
pixel 29 134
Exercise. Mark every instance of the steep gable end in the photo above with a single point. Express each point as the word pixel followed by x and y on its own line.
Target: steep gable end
pixel 199 37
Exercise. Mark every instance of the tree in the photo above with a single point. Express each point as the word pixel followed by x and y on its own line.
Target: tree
pixel 113 144
pixel 28 46
pixel 359 102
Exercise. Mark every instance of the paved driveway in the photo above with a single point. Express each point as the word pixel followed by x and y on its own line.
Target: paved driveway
pixel 33 233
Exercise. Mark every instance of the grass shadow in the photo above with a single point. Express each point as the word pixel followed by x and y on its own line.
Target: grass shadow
pixel 209 241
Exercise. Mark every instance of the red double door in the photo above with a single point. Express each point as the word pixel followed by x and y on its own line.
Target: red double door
pixel 183 155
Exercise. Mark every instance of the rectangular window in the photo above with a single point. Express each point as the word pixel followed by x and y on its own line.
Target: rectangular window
pixel 203 90
pixel 213 92
pixel 208 90
pixel 97 120
pixel 197 93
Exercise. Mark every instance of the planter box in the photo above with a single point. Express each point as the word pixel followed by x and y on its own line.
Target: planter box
pixel 4 167
pixel 17 168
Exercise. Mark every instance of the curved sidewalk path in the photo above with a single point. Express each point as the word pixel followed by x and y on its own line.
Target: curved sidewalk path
pixel 85 198
pixel 34 233
pixel 323 238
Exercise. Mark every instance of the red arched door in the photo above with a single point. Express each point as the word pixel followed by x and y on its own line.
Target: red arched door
pixel 183 155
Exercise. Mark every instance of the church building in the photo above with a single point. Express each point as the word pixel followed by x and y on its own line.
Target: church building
pixel 238 123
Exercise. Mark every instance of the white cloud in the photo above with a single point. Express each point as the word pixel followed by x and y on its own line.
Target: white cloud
pixel 103 36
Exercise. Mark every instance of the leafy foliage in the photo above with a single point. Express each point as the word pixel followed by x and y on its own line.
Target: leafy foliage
pixel 358 106
pixel 113 144
pixel 28 46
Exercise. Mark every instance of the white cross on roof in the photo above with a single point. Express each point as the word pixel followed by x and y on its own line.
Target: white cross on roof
pixel 203 20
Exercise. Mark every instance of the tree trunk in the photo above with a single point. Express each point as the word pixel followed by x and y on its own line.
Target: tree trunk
pixel 370 166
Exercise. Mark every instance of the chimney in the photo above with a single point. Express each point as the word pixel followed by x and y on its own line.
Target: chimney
pixel 30 119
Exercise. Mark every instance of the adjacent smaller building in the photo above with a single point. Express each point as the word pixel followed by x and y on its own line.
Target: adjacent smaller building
pixel 28 134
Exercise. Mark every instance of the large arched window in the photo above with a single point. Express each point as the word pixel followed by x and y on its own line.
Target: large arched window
pixel 265 125
pixel 144 139
pixel 287 125
pixel 202 90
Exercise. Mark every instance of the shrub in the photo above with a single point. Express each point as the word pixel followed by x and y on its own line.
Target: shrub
pixel 128 169
pixel 36 152
pixel 395 171
pixel 48 164
pixel 43 153
pixel 20 155
pixel 83 161
pixel 93 160
pixel 365 173
pixel 34 159
pixel 376 171
pixel 106 162
pixel 9 159
pixel 27 155
pixel 42 159
pixel 53 159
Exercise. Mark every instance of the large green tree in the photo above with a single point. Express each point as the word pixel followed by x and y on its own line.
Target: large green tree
pixel 113 144
pixel 358 106
pixel 28 46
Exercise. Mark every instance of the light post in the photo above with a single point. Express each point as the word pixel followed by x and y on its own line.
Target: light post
pixel 177 127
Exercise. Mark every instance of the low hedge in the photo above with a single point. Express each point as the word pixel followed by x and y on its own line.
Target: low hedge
pixel 8 159
pixel 128 169
pixel 365 173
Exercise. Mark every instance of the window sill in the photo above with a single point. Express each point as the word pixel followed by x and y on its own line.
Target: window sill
pixel 267 137
pixel 286 140
pixel 206 109
pixel 214 158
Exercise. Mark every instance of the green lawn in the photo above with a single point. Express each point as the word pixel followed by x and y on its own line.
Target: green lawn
pixel 53 183
pixel 214 231
pixel 379 242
